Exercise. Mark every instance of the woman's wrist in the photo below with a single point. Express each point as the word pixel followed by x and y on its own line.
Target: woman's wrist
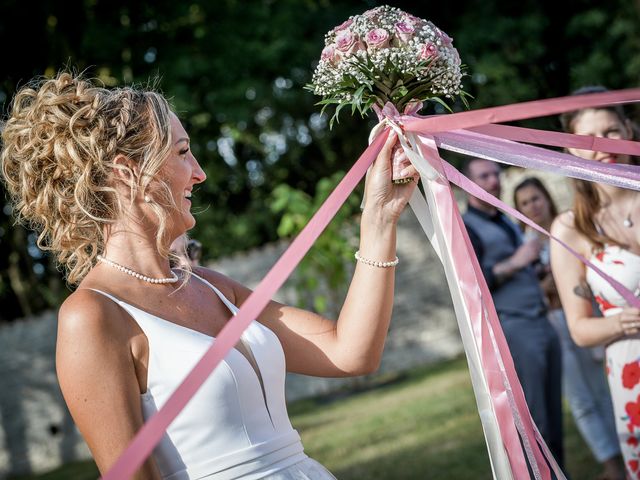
pixel 378 240
pixel 376 219
pixel 377 231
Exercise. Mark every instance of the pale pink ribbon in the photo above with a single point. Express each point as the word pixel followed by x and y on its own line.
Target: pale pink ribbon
pixel 154 428
pixel 507 398
pixel 459 247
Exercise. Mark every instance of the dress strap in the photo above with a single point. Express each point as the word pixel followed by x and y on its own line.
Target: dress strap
pixel 108 295
pixel 234 309
pixel 134 312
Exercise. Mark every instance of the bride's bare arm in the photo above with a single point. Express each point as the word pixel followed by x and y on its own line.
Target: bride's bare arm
pixel 95 368
pixel 353 344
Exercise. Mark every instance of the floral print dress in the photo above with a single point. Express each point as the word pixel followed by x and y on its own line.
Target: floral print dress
pixel 622 356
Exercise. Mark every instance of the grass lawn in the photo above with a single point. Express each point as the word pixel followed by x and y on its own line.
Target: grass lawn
pixel 423 425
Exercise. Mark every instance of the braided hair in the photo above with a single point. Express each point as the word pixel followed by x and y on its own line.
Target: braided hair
pixel 58 149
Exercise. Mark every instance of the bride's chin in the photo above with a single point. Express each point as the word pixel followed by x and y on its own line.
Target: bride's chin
pixel 190 222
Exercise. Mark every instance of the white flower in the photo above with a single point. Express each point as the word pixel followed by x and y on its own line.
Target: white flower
pixel 398 46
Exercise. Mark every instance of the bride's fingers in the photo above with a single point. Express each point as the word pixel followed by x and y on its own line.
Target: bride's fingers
pixel 409 171
pixel 387 149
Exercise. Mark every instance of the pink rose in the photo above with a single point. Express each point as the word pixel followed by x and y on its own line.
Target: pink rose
pixel 428 51
pixel 415 21
pixel 347 42
pixel 377 39
pixel 343 26
pixel 446 39
pixel 329 54
pixel 405 30
pixel 370 14
pixel 408 18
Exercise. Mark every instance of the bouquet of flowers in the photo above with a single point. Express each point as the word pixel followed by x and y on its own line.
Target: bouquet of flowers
pixel 386 55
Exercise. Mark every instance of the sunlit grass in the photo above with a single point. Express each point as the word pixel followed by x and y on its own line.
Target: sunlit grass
pixel 423 425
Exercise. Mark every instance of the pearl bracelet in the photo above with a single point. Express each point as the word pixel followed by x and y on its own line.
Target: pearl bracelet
pixel 375 263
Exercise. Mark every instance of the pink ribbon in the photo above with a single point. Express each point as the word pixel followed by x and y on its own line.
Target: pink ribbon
pixel 559 139
pixel 479 303
pixel 529 156
pixel 390 111
pixel 521 111
pixel 487 331
pixel 503 382
pixel 457 178
pixel 151 432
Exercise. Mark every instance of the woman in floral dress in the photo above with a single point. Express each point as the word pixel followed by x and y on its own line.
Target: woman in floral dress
pixel 604 226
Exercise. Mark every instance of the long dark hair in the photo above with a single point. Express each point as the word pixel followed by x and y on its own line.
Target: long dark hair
pixel 536 183
pixel 587 201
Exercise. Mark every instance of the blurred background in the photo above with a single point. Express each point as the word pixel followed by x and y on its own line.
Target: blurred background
pixel 235 71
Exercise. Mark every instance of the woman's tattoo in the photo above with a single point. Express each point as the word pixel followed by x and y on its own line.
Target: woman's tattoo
pixel 582 290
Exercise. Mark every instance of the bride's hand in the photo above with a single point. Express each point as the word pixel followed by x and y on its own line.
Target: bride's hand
pixel 384 199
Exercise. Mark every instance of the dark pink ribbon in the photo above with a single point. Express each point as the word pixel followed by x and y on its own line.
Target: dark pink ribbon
pixel 521 111
pixel 154 428
pixel 559 139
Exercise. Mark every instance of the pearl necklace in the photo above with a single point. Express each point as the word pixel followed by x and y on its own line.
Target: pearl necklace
pixel 128 271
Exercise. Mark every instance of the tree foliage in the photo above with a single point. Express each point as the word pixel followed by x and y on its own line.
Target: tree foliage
pixel 320 277
pixel 235 72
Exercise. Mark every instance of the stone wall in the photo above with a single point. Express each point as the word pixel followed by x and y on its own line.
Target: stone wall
pixel 36 430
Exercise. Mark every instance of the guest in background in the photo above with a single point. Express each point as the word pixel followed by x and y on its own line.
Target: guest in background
pixel 188 250
pixel 604 226
pixel 507 263
pixel 583 377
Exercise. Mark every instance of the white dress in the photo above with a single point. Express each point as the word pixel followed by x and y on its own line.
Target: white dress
pixel 236 426
pixel 623 356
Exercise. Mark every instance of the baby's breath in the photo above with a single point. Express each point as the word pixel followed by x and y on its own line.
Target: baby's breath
pixel 386 55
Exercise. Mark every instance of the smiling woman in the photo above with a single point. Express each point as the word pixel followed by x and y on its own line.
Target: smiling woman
pixel 604 226
pixel 106 178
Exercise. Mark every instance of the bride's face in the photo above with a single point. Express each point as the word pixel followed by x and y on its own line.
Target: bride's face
pixel 601 123
pixel 181 172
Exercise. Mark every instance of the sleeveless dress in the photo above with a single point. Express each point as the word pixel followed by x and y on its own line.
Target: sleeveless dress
pixel 236 426
pixel 622 356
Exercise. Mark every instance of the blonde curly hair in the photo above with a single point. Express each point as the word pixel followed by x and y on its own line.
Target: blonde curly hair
pixel 58 149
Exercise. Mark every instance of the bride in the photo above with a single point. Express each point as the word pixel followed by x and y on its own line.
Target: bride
pixel 106 177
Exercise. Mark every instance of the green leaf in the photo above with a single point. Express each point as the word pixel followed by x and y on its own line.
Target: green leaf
pixel 320 303
pixel 328 101
pixel 286 226
pixel 357 99
pixel 441 102
pixel 335 115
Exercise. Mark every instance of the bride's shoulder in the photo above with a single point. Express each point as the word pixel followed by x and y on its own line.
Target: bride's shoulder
pixel 87 311
pixel 225 284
